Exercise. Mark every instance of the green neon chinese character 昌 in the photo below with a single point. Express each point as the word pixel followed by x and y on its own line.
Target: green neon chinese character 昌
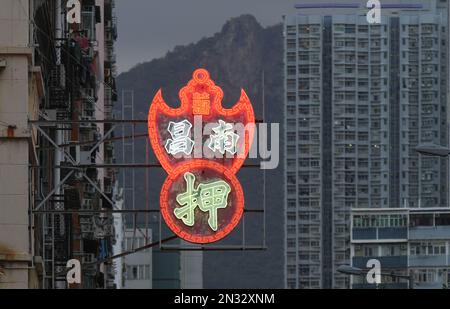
pixel 207 197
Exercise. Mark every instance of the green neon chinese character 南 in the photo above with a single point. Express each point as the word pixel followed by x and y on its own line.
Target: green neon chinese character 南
pixel 207 197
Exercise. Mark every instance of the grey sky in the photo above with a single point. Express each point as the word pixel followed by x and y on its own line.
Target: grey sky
pixel 149 28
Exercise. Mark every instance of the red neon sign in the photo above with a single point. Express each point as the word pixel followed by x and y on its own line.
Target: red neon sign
pixel 201 200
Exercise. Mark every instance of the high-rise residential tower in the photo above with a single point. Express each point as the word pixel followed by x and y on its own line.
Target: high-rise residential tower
pixel 360 98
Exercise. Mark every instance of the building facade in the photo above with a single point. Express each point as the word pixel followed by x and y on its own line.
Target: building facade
pixel 138 266
pixel 21 90
pixel 411 242
pixel 359 99
pixel 56 80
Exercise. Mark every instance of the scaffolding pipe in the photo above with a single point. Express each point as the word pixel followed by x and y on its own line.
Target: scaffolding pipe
pixel 59 157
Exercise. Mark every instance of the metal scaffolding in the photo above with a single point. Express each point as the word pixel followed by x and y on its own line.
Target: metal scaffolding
pixel 80 169
pixel 73 167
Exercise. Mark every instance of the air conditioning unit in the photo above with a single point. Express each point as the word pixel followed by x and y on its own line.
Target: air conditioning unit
pixel 51 114
pixel 85 158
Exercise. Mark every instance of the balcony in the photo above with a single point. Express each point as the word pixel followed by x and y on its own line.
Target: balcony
pixel 386 233
pixel 392 233
pixel 429 285
pixel 429 232
pixel 387 286
pixel 386 261
pixel 365 234
pixel 429 260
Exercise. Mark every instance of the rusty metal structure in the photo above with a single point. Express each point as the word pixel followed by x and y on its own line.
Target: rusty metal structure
pixel 78 62
pixel 71 181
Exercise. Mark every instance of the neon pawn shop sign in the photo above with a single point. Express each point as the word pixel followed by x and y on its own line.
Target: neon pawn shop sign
pixel 201 200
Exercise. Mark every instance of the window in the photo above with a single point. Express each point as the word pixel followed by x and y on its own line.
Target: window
pixel 393 250
pixel 349 29
pixel 291 137
pixel 291 44
pixel 350 43
pixel 291 83
pixel 303 56
pixel 304 29
pixel 428 248
pixel 363 29
pixel 379 221
pixel 147 272
pixel 366 250
pixel 425 275
pixel 292 203
pixel 291 284
pixel 129 243
pixel 132 272
pixel 291 242
pixel 303 69
pixel 421 220
pixel 303 110
pixel 138 272
pixel 291 57
pixel 363 44
pixel 442 220
pixel 291 109
pixel 339 28
pixel 291 70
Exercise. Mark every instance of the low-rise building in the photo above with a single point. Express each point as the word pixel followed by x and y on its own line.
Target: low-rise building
pixel 406 242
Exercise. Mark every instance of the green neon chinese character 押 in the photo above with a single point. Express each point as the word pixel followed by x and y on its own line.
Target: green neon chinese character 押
pixel 207 197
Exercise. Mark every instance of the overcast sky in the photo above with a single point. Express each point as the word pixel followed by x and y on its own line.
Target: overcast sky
pixel 149 28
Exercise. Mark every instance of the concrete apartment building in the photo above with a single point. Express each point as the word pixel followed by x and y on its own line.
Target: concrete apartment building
pixel 21 91
pixel 359 99
pixel 138 267
pixel 53 73
pixel 407 241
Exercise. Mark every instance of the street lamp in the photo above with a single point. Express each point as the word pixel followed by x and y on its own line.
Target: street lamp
pixel 350 270
pixel 433 150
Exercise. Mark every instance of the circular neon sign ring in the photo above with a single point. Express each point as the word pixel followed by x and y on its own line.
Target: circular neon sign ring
pixel 195 234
